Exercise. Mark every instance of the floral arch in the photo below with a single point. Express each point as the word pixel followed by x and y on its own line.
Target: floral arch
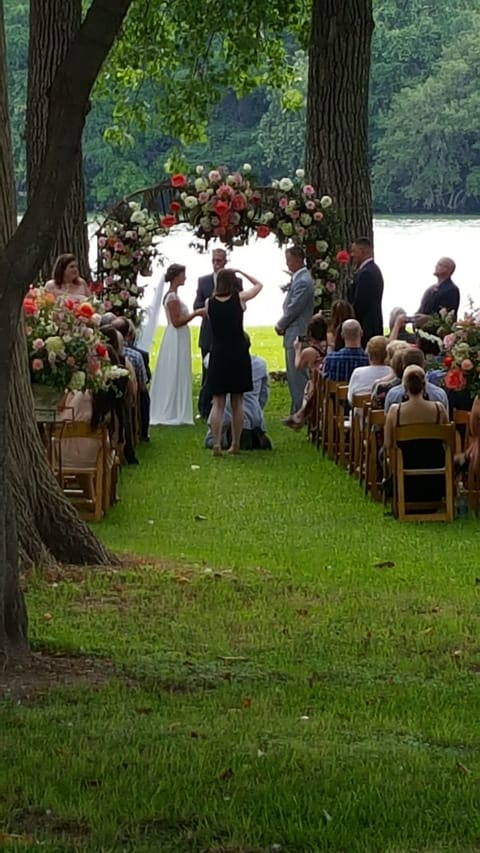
pixel 218 205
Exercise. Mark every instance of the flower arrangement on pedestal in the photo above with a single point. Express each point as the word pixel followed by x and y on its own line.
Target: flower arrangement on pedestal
pixel 229 206
pixel 65 348
pixel 125 249
pixel 459 343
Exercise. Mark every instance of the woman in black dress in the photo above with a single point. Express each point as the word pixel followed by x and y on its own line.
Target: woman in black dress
pixel 229 368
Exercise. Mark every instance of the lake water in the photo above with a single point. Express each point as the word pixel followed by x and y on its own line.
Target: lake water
pixel 406 249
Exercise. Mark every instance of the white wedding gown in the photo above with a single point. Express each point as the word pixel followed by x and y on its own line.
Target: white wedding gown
pixel 171 390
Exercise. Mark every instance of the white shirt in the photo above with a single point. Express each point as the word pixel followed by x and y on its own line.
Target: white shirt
pixel 364 264
pixel 363 379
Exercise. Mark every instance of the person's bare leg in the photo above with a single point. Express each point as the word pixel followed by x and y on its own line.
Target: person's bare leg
pixel 216 422
pixel 237 421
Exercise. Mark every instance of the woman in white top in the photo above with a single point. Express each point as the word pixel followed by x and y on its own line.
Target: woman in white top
pixel 171 392
pixel 66 282
pixel 363 378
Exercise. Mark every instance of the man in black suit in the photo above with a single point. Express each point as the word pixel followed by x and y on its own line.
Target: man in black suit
pixel 444 294
pixel 206 286
pixel 367 289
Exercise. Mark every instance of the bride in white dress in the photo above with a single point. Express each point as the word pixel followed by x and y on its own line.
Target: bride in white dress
pixel 171 391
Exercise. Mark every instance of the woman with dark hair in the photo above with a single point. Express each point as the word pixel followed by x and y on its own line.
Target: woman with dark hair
pixel 309 356
pixel 229 368
pixel 171 391
pixel 341 311
pixel 66 281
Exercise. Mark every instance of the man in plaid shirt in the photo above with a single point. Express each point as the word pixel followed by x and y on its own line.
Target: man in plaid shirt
pixel 340 365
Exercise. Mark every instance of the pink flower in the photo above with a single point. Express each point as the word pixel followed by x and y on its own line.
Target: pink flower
pixel 102 242
pixel 37 364
pixel 124 294
pixel 239 202
pixel 331 286
pixel 282 202
pixel 119 247
pixel 108 280
pixel 107 305
pixel 219 231
pixel 214 176
pixel 308 190
pixel 295 214
pixel 71 361
pixel 225 191
pixel 448 341
pixel 203 197
pixel 318 216
pixel 310 205
pixel 38 343
pixel 94 365
pixel 466 365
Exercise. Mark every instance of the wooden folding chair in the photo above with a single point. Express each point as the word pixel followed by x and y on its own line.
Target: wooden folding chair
pixel 442 509
pixel 315 425
pixel 85 481
pixel 356 435
pixel 342 425
pixel 461 419
pixel 328 419
pixel 374 422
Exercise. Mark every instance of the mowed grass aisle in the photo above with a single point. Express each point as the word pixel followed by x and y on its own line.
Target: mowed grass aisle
pixel 294 671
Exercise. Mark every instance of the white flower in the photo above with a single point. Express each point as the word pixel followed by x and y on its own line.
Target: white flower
pixel 286 184
pixel 183 196
pixel 250 214
pixel 200 185
pixel 325 201
pixel 137 216
pixel 133 302
pixel 230 180
pixel 199 170
pixel 321 246
pixel 275 185
pixel 191 201
pixel 300 173
pixel 247 167
pixel 115 265
pixel 323 265
pixel 142 231
pixel 267 216
pixel 305 219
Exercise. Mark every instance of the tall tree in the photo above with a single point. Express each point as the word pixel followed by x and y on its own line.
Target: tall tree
pixel 52 28
pixel 27 488
pixel 337 108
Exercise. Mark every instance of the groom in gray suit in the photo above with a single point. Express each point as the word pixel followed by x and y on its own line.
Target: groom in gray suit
pixel 297 311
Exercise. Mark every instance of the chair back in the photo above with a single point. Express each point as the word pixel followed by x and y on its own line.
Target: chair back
pixel 434 506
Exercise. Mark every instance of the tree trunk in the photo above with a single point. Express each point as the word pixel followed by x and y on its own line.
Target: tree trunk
pixel 37 524
pixel 337 110
pixel 52 28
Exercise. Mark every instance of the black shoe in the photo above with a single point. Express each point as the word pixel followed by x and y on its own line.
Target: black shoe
pixel 132 460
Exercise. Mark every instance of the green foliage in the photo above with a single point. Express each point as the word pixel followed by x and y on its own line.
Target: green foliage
pixel 222 82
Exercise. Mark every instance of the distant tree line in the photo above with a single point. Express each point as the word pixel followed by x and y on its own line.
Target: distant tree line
pixel 424 117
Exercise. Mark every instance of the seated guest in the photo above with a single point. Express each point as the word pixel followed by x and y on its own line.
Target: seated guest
pixel 78 453
pixel 341 311
pixel 340 365
pixel 309 356
pixel 363 378
pixel 66 282
pixel 414 356
pixel 127 402
pixel 394 359
pixel 140 360
pixel 428 453
pixel 254 433
pixel 397 324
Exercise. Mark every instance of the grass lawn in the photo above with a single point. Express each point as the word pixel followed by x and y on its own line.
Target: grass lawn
pixel 293 670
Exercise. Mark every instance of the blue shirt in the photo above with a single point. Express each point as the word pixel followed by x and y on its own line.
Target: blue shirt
pixel 433 392
pixel 340 365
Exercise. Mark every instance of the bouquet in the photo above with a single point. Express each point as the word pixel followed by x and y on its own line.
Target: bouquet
pixel 125 249
pixel 459 343
pixel 65 348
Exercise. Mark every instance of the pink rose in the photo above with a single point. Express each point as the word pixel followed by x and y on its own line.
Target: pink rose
pixel 239 202
pixel 71 361
pixel 203 197
pixel 318 216
pixel 102 242
pixel 330 286
pixel 214 176
pixel 466 365
pixel 225 191
pixel 108 280
pixel 124 294
pixel 310 205
pixel 118 246
pixel 38 343
pixel 37 364
pixel 448 341
pixel 308 190
pixel 107 305
pixel 295 214
pixel 282 202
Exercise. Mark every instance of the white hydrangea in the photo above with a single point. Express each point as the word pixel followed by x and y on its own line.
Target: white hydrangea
pixel 322 246
pixel 247 167
pixel 286 184
pixel 190 201
pixel 300 173
pixel 199 170
pixel 200 185
pixel 325 201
